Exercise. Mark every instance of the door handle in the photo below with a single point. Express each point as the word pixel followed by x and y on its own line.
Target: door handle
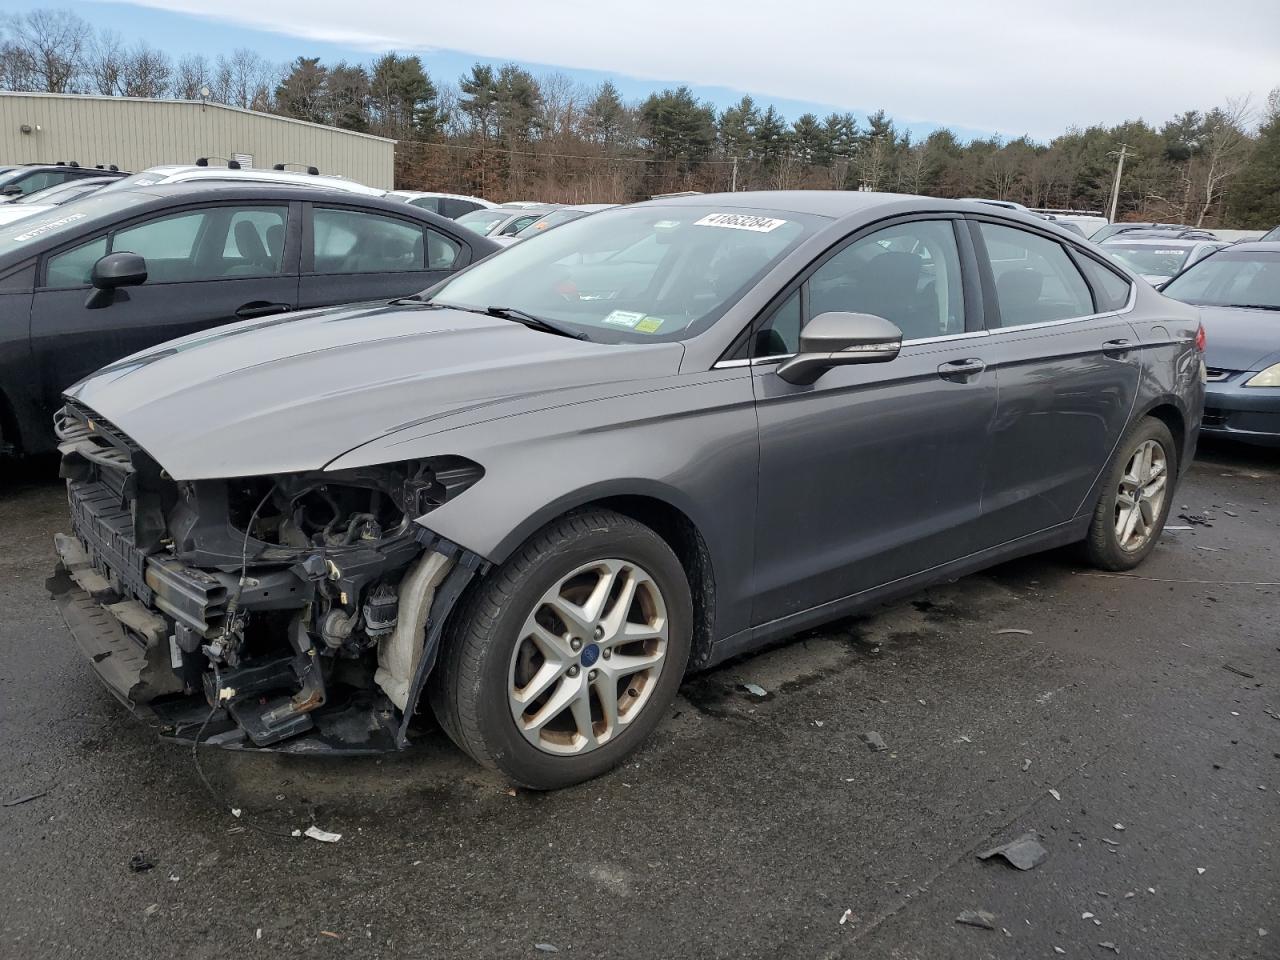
pixel 1116 348
pixel 961 371
pixel 261 308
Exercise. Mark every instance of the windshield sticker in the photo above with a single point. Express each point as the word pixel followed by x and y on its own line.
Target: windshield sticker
pixel 624 318
pixel 666 224
pixel 740 221
pixel 47 226
pixel 649 325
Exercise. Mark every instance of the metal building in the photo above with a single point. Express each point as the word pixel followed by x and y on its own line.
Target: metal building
pixel 136 133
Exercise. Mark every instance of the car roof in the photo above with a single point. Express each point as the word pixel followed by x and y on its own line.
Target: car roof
pixel 176 173
pixel 415 194
pixel 1169 242
pixel 1256 246
pixel 836 204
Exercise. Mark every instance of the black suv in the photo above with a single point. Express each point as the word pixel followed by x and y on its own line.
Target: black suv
pixel 30 177
pixel 121 270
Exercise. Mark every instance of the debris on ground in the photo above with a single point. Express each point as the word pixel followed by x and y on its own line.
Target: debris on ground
pixel 324 836
pixel 1230 513
pixel 1024 853
pixel 150 910
pixel 1197 519
pixel 1200 870
pixel 1108 945
pixel 330 934
pixel 1176 528
pixel 963 739
pixel 1110 843
pixel 140 864
pixel 16 801
pixel 1119 826
pixel 1055 794
pixel 755 689
pixel 875 743
pixel 1014 630
pixel 546 947
pixel 1237 671
pixel 1058 950
pixel 977 918
pixel 845 917
pixel 1026 765
pixel 1086 915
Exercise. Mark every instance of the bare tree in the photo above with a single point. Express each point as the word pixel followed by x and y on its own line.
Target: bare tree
pixel 191 77
pixel 147 72
pixel 17 69
pixel 105 62
pixel 53 45
pixel 1224 149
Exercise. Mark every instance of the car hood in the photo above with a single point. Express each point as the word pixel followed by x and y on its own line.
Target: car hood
pixel 1239 339
pixel 294 392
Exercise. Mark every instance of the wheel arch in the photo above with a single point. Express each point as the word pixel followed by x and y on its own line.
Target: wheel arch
pixel 1169 411
pixel 664 510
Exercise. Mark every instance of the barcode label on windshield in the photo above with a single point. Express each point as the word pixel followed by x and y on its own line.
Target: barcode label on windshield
pixel 740 221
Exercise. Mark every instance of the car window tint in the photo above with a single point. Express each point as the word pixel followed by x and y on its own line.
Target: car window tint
pixel 347 241
pixel 1111 291
pixel 908 273
pixel 41 180
pixel 73 267
pixel 1036 281
pixel 518 224
pixel 455 208
pixel 780 334
pixel 427 203
pixel 254 245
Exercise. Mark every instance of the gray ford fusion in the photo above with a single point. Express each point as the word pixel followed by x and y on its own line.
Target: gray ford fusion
pixel 531 498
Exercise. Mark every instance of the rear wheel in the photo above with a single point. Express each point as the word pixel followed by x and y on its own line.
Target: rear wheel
pixel 1136 496
pixel 566 656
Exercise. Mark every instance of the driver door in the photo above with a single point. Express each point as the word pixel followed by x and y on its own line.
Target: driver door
pixel 874 472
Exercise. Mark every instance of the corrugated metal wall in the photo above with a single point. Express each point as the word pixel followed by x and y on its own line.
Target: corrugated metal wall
pixel 136 134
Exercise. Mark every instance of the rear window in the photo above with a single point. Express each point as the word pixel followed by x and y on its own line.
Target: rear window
pixel 1109 288
pixel 1153 261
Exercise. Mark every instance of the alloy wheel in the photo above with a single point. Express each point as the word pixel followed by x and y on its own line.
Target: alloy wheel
pixel 1139 500
pixel 588 657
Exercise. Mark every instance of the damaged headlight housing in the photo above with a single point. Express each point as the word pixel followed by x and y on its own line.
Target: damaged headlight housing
pixel 329 509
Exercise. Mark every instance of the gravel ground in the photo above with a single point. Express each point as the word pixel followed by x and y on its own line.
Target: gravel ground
pixel 1135 729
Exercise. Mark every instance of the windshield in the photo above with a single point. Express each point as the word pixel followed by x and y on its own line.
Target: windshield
pixel 483 221
pixel 634 274
pixel 67 218
pixel 1231 279
pixel 1150 261
pixel 1273 235
pixel 553 219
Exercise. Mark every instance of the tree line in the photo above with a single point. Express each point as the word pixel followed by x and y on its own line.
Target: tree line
pixel 504 133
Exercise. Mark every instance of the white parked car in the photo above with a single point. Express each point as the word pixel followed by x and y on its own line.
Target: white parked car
pixel 451 205
pixel 189 173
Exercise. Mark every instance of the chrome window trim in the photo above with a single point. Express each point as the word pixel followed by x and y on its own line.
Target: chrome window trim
pixel 1127 308
pixel 777 357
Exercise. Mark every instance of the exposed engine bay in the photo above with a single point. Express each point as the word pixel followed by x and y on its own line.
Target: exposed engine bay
pixel 299 612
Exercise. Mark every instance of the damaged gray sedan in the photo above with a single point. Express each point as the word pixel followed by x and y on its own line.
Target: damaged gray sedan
pixel 529 499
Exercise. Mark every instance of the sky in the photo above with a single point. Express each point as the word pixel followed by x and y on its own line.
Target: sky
pixel 980 67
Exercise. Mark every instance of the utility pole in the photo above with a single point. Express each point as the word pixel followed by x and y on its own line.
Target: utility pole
pixel 1115 187
pixel 733 185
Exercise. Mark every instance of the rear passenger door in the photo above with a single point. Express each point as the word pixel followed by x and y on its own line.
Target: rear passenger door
pixel 206 266
pixel 351 255
pixel 1067 369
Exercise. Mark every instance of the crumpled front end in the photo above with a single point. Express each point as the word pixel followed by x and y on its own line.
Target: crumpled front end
pixel 298 612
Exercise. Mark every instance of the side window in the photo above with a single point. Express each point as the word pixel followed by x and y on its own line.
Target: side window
pixel 41 180
pixel 427 203
pixel 1036 282
pixel 908 273
pixel 168 244
pixel 442 251
pixel 1110 290
pixel 347 241
pixel 254 245
pixel 71 268
pixel 453 209
pixel 515 226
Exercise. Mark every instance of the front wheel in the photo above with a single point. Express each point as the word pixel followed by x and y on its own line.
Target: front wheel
pixel 567 655
pixel 1136 496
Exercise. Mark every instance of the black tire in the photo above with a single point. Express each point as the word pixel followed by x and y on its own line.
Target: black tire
pixel 468 690
pixel 1102 545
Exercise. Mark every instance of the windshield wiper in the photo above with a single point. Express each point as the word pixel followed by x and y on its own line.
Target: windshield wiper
pixel 1257 306
pixel 532 322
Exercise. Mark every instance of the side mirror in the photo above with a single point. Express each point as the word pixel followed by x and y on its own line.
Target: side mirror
pixel 838 339
pixel 12 190
pixel 113 271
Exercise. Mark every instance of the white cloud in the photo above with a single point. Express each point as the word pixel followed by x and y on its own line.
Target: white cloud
pixel 1015 66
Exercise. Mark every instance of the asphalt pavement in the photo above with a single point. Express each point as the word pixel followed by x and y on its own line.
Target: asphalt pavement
pixel 1131 723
